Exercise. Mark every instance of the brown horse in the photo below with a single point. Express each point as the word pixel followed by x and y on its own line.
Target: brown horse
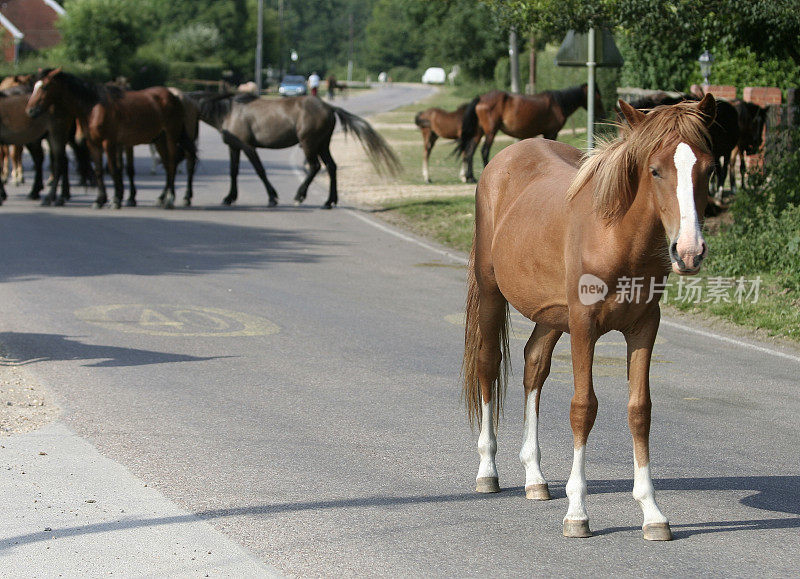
pixel 559 239
pixel 519 116
pixel 247 122
pixel 434 123
pixel 752 121
pixel 724 133
pixel 110 118
pixel 11 155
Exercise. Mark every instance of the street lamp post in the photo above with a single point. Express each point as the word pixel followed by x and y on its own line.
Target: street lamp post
pixel 706 60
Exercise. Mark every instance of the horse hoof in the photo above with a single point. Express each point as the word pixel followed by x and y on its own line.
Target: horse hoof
pixel 60 202
pixel 487 484
pixel 117 205
pixel 297 202
pixel 34 196
pixel 169 206
pixel 45 202
pixel 131 203
pixel 538 492
pixel 329 206
pixel 227 202
pixel 576 529
pixel 274 203
pixel 97 205
pixel 657 532
pixel 187 202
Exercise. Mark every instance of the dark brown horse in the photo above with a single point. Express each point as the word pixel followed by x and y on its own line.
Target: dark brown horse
pixel 752 121
pixel 519 116
pixel 558 238
pixel 247 122
pixel 434 123
pixel 110 118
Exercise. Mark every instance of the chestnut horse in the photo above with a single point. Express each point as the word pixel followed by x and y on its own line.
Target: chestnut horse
pixel 520 116
pixel 724 133
pixel 434 123
pixel 557 237
pixel 111 118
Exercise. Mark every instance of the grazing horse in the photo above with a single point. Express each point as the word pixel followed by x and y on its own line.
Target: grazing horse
pixel 247 121
pixel 557 237
pixel 724 132
pixel 110 118
pixel 434 123
pixel 520 116
pixel 752 120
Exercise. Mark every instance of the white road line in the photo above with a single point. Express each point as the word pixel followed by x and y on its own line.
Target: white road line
pixel 452 256
pixel 671 324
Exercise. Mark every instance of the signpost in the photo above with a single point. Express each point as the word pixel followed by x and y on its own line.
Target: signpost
pixel 590 50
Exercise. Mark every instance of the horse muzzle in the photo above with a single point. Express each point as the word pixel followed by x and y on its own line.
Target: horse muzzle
pixel 687 258
pixel 34 111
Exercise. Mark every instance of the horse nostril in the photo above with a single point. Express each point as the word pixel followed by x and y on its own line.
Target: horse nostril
pixel 673 251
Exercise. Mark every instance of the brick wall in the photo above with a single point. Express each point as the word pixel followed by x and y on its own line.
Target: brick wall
pixel 35 19
pixel 763 95
pixel 721 91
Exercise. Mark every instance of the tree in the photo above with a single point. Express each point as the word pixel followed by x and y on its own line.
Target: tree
pixel 104 30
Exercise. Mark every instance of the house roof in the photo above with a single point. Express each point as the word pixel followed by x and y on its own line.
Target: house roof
pixel 32 21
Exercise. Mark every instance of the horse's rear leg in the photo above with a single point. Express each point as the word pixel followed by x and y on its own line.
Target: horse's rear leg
pixel 582 413
pixel 313 169
pixel 114 157
pixel 330 165
pixel 538 353
pixel 428 140
pixel 487 147
pixel 234 154
pixel 16 162
pixel 492 311
pixel 131 170
pixel 467 175
pixel 640 348
pixel 37 154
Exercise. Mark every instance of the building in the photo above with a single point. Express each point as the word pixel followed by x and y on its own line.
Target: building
pixel 28 26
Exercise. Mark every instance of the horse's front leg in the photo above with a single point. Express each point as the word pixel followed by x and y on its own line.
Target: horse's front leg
pixel 582 413
pixel 96 153
pixel 640 341
pixel 538 353
pixel 113 154
pixel 131 171
pixel 37 154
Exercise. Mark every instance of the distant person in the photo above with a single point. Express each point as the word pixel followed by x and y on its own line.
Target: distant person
pixel 313 83
pixel 331 87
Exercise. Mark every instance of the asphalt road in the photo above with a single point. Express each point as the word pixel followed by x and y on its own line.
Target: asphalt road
pixel 290 375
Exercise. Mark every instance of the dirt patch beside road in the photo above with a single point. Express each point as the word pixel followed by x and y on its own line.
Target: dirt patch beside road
pixel 24 403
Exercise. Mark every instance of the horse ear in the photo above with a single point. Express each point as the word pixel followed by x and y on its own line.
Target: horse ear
pixel 54 72
pixel 708 106
pixel 632 115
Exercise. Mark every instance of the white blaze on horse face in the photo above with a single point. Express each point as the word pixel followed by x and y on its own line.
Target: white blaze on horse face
pixel 36 88
pixel 690 240
pixel 530 455
pixel 487 443
pixel 576 487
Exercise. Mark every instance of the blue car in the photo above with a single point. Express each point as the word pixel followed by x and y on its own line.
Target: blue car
pixel 292 85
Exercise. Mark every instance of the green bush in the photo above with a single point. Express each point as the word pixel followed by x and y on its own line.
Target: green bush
pixel 765 234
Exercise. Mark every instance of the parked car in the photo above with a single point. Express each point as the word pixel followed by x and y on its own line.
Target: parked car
pixel 293 85
pixel 434 75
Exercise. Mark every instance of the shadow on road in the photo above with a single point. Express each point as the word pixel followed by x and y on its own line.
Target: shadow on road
pixel 773 493
pixel 33 348
pixel 62 244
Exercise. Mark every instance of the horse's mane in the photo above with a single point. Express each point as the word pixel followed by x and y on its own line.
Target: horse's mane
pixel 84 90
pixel 615 165
pixel 214 107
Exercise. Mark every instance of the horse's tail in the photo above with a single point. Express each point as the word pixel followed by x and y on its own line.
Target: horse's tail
pixel 422 121
pixel 472 342
pixel 469 127
pixel 380 154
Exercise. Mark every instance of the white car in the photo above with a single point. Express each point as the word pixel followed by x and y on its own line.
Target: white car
pixel 434 75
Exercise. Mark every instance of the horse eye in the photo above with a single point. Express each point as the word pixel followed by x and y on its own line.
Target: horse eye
pixel 654 172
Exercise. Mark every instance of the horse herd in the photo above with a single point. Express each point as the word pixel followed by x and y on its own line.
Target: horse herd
pixel 546 219
pixel 100 120
pixel 736 132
